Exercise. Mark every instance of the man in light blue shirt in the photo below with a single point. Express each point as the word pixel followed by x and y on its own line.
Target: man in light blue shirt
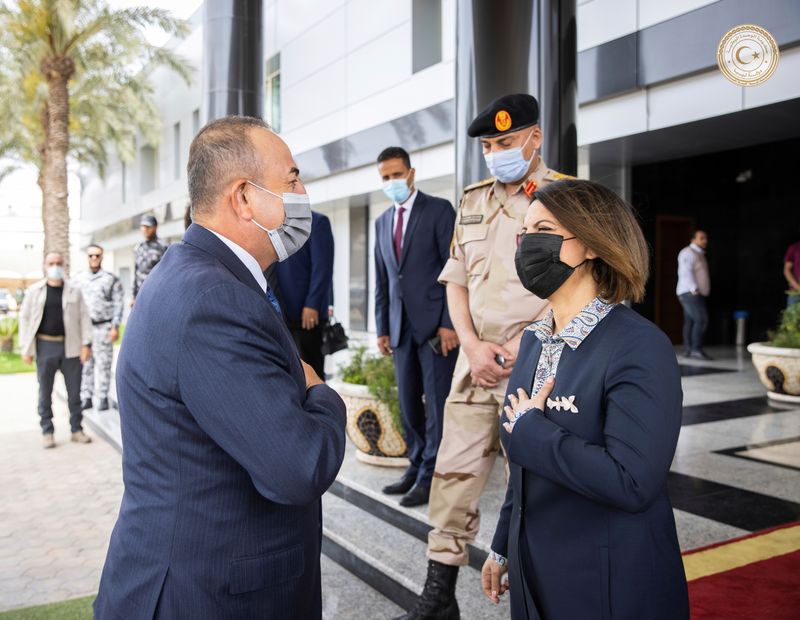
pixel 694 286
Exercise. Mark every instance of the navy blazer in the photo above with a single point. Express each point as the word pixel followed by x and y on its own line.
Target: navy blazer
pixel 587 524
pixel 413 284
pixel 306 278
pixel 225 453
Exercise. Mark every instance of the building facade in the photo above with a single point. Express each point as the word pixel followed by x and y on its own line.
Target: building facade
pixel 656 121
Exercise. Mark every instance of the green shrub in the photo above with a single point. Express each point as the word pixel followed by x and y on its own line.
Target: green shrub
pixel 9 327
pixel 377 373
pixel 788 333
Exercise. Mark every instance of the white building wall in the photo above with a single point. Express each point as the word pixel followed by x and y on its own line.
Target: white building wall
pixel 601 21
pixel 346 66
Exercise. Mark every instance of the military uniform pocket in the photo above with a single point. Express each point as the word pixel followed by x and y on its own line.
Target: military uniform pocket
pixel 473 239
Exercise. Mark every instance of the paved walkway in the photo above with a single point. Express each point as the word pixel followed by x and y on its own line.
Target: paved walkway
pixel 57 507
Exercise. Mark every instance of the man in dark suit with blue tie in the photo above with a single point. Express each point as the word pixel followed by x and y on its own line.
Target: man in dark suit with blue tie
pixel 412 244
pixel 305 281
pixel 229 438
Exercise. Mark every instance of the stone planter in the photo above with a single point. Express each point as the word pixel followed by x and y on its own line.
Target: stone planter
pixel 370 427
pixel 779 371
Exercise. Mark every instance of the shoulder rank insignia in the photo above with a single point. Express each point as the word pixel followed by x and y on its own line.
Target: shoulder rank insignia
pixel 488 181
pixel 552 175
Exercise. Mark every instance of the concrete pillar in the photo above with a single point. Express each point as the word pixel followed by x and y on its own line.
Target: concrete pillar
pixel 232 62
pixel 509 46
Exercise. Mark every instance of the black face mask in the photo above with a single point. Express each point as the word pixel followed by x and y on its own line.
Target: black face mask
pixel 538 262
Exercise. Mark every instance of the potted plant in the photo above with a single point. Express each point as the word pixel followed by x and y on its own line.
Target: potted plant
pixel 778 360
pixel 8 329
pixel 369 390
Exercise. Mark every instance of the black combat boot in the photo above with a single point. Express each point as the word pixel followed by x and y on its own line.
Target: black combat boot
pixel 438 598
pixel 103 405
pixel 86 403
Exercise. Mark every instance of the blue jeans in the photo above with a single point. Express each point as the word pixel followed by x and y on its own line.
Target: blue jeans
pixel 695 321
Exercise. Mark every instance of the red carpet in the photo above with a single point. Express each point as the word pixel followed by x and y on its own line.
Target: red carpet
pixel 750 578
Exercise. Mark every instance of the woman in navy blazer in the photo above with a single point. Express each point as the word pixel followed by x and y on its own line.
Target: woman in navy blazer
pixel 587 529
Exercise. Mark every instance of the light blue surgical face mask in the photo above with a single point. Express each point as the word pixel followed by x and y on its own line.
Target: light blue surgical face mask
pixel 397 190
pixel 509 165
pixel 296 227
pixel 55 272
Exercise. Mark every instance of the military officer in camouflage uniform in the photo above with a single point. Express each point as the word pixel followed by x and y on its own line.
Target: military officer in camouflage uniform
pixel 102 291
pixel 489 308
pixel 148 253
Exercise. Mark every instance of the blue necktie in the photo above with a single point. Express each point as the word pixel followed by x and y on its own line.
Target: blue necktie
pixel 273 300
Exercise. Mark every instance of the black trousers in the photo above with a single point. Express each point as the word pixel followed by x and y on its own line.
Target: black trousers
pixel 49 359
pixel 309 343
pixel 421 373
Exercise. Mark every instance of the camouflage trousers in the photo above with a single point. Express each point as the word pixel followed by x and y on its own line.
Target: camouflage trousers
pixel 467 453
pixel 102 355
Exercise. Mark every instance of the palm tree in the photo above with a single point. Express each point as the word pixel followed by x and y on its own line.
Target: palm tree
pixel 75 81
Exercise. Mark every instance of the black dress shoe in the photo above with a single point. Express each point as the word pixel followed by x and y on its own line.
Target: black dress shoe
pixel 86 403
pixel 103 406
pixel 700 355
pixel 399 488
pixel 417 496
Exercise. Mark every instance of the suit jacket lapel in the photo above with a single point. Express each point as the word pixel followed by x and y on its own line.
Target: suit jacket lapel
pixel 388 237
pixel 416 214
pixel 200 237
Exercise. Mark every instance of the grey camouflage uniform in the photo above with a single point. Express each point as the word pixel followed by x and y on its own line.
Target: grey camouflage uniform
pixel 147 254
pixel 104 297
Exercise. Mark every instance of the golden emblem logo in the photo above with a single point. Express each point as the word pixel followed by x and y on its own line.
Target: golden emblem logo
pixel 502 120
pixel 747 55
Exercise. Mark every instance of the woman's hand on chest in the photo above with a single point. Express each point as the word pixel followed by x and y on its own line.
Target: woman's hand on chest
pixel 521 403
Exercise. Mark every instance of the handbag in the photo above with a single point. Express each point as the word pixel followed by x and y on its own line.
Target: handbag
pixel 333 337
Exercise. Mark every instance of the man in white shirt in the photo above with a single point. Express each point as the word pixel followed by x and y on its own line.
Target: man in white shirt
pixel 694 286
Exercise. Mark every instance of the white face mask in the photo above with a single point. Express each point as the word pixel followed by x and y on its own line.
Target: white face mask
pixel 296 227
pixel 55 272
pixel 509 165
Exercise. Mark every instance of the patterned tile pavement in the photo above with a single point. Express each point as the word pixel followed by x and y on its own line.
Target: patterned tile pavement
pixel 57 507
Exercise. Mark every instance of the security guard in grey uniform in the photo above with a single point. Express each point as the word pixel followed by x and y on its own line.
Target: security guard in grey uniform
pixel 148 253
pixel 103 293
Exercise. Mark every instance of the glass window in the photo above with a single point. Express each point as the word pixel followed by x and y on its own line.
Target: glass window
pixel 272 93
pixel 148 159
pixel 359 267
pixel 426 34
pixel 176 150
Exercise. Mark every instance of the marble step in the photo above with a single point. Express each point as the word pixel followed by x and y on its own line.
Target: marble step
pixel 392 560
pixel 346 597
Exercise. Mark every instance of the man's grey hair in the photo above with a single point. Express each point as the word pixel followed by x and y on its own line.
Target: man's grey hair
pixel 220 151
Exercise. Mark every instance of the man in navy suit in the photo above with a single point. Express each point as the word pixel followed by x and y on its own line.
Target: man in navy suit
pixel 305 281
pixel 229 439
pixel 412 245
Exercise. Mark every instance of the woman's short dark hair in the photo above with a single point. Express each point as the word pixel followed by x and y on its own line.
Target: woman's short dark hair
pixel 608 226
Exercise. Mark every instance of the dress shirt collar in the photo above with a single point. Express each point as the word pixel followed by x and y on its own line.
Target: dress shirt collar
pixel 408 204
pixel 247 259
pixel 577 329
